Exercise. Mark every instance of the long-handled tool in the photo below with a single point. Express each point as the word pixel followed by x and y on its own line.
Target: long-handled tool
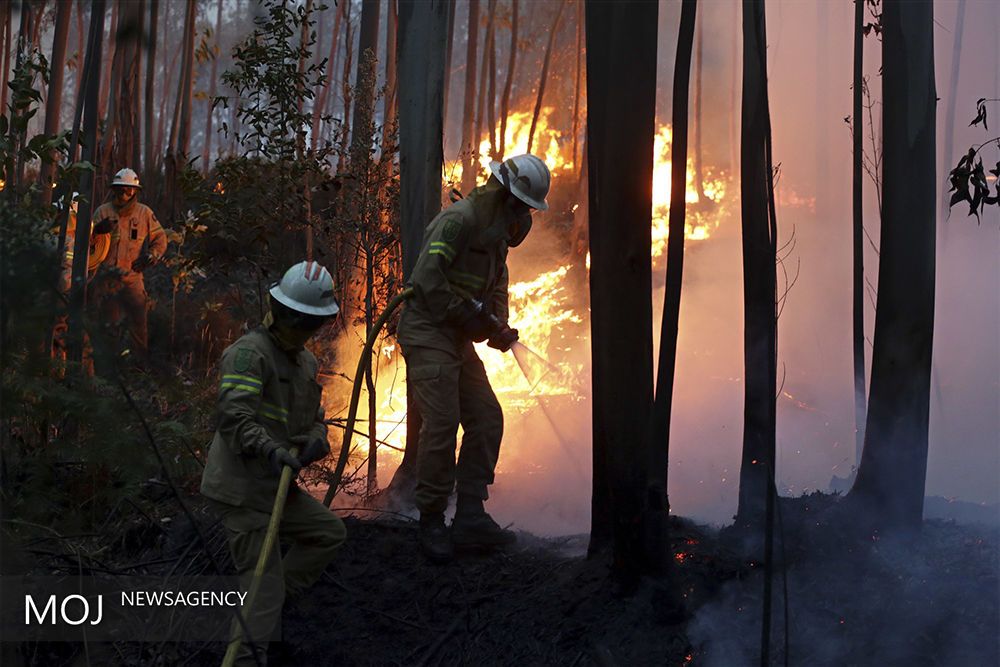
pixel 265 552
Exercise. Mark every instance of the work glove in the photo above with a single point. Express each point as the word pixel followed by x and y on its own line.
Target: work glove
pixel 143 263
pixel 480 324
pixel 105 226
pixel 279 457
pixel 503 339
pixel 311 449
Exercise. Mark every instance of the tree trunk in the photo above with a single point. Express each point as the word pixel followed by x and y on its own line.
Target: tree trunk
pixel 364 86
pixel 209 111
pixel 483 84
pixel 422 41
pixel 511 66
pixel 53 105
pixel 124 135
pixel 491 88
pixel 345 84
pixel 543 78
pixel 699 176
pixel 858 285
pixel 109 53
pixel 947 157
pixel 154 15
pixel 621 37
pixel 759 278
pixel 389 103
pixel 658 506
pixel 469 141
pixel 7 9
pixel 320 108
pixel 447 62
pixel 81 247
pixel 576 87
pixel 894 462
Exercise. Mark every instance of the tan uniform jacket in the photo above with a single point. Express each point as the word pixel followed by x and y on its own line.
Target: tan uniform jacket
pixel 266 396
pixel 458 262
pixel 133 225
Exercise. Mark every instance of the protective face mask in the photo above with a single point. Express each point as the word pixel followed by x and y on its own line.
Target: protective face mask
pixel 289 338
pixel 520 221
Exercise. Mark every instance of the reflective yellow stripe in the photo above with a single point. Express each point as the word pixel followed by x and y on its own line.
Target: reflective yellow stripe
pixel 244 382
pixel 467 278
pixel 442 248
pixel 272 411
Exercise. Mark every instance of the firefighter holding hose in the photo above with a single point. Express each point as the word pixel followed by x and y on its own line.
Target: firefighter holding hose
pixel 137 243
pixel 268 408
pixel 460 297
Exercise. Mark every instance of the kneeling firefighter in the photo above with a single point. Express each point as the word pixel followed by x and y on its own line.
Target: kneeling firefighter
pixel 269 407
pixel 459 297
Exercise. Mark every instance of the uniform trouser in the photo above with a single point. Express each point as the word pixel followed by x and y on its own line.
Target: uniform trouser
pixel 451 388
pixel 122 302
pixel 314 532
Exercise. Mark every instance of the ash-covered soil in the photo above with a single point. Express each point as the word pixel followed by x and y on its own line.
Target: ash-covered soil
pixel 852 599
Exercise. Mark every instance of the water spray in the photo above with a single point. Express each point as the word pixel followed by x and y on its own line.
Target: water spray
pixel 526 358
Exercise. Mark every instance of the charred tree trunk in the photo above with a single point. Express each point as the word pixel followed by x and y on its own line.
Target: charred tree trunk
pixel 576 88
pixel 7 9
pixel 469 140
pixel 947 157
pixel 345 85
pixel 124 132
pixel 657 502
pixel 422 41
pixel 53 105
pixel 858 284
pixel 81 247
pixel 543 78
pixel 893 468
pixel 759 278
pixel 491 89
pixel 511 67
pixel 621 37
pixel 447 63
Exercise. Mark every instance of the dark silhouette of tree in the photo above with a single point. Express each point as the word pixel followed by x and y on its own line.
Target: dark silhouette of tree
pixel 621 37
pixel 81 247
pixel 508 84
pixel 205 163
pixel 759 277
pixel 544 76
pixel 891 477
pixel 469 139
pixel 658 505
pixel 421 41
pixel 53 105
pixel 858 230
pixel 149 165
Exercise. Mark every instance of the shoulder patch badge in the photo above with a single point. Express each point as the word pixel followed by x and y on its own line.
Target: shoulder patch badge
pixel 451 230
pixel 241 362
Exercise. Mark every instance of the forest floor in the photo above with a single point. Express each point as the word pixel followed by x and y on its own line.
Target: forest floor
pixel 862 600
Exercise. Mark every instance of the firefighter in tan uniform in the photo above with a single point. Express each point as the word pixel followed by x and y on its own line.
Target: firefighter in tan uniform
pixel 269 402
pixel 460 297
pixel 118 286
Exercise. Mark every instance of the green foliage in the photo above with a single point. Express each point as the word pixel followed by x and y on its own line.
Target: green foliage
pixel 968 178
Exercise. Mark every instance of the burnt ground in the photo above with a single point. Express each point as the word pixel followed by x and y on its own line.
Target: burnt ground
pixel 852 599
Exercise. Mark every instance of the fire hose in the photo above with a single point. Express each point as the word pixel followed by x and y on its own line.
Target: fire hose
pixel 352 411
pixel 269 539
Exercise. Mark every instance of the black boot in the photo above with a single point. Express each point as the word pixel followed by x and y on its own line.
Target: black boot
pixel 473 527
pixel 435 541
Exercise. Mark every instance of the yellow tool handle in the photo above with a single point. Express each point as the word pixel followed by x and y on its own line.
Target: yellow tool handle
pixel 269 539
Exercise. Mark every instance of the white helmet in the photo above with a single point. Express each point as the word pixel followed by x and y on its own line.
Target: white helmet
pixel 526 177
pixel 307 288
pixel 127 177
